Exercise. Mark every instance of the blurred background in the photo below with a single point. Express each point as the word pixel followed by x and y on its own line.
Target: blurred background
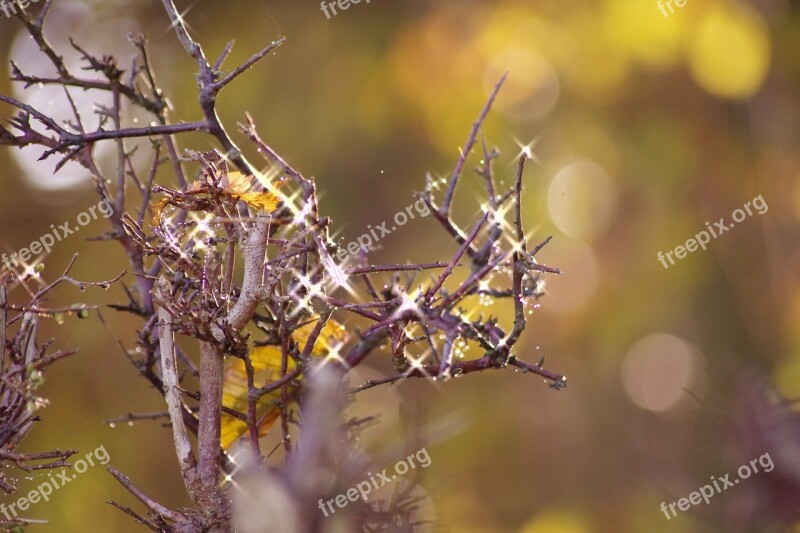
pixel 644 127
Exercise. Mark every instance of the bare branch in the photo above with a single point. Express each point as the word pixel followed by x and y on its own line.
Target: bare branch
pixel 150 503
pixel 169 372
pixel 467 148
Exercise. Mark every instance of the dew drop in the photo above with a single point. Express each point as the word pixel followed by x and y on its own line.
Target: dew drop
pixel 112 425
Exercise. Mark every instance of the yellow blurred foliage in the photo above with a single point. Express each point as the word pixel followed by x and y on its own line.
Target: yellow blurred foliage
pixel 730 52
pixel 557 521
pixel 641 30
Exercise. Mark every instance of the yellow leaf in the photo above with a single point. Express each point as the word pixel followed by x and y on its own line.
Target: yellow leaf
pixel 239 187
pixel 266 361
pixel 197 187
pixel 263 201
pixel 332 334
pixel 238 182
pixel 158 209
pixel 267 367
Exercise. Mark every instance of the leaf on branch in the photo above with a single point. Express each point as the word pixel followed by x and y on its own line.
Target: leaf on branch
pixel 240 186
pixel 266 361
pixel 198 196
pixel 157 209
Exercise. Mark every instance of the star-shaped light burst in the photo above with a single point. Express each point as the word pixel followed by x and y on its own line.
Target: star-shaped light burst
pixel 228 477
pixel 408 302
pixel 202 228
pixel 418 364
pixel 498 216
pixel 29 270
pixel 516 245
pixel 272 178
pixel 337 277
pixel 180 20
pixel 167 226
pixel 25 272
pixel 484 285
pixel 527 149
pixel 334 354
pixel 312 290
pixel 436 181
pixel 170 237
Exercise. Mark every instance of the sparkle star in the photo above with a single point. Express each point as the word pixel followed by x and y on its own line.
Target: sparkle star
pixel 334 354
pixel 527 149
pixel 408 302
pixel 180 20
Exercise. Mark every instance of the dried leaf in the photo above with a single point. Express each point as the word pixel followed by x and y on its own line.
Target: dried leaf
pixel 196 187
pixel 263 201
pixel 238 182
pixel 239 186
pixel 266 361
pixel 157 208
